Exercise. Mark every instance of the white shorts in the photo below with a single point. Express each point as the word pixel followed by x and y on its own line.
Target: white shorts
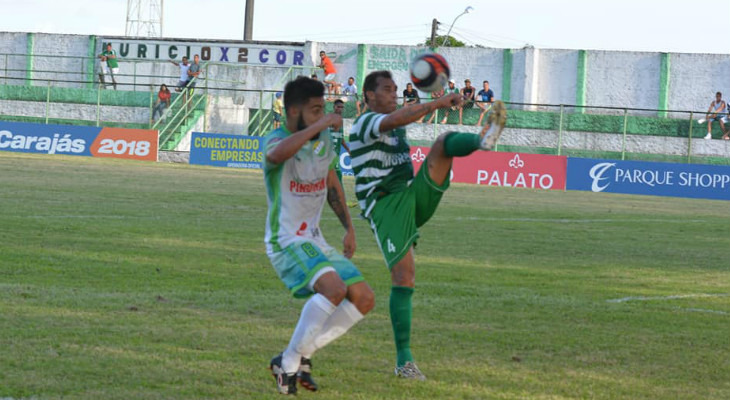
pixel 329 77
pixel 105 70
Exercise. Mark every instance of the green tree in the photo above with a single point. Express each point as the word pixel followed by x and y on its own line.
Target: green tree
pixel 444 41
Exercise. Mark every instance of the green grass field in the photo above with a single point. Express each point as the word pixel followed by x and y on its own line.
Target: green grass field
pixel 131 280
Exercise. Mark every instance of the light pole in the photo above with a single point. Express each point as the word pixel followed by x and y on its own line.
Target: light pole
pixel 466 11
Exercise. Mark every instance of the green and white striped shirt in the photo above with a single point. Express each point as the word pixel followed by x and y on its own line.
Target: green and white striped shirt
pixel 381 161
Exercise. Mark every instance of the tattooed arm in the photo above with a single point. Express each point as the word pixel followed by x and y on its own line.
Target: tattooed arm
pixel 336 200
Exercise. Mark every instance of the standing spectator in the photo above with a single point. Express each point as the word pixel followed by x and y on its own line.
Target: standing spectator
pixel 467 93
pixel 485 98
pixel 350 90
pixel 714 113
pixel 193 72
pixel 163 101
pixel 278 109
pixel 329 72
pixel 449 90
pixel 410 95
pixel 109 64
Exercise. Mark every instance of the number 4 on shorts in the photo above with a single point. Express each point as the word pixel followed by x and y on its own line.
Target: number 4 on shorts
pixel 391 246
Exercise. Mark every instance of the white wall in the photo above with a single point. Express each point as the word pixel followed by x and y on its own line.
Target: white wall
pixel 621 79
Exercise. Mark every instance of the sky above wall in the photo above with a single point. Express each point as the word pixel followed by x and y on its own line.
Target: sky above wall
pixel 632 25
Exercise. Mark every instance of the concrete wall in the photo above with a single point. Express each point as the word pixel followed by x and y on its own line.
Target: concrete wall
pixel 623 79
pixel 694 79
pixel 620 79
pixel 558 73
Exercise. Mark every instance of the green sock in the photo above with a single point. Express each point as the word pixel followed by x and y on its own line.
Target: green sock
pixel 400 317
pixel 459 144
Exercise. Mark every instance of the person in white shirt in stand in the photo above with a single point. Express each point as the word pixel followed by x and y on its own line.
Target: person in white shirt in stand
pixel 716 113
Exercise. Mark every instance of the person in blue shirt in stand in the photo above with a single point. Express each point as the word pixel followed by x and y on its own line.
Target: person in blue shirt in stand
pixel 485 98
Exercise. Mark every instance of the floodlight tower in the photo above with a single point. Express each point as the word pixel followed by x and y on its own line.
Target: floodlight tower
pixel 144 18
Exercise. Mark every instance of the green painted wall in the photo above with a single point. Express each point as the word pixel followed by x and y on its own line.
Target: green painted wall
pixel 581 80
pixel 91 62
pixel 664 85
pixel 506 75
pixel 30 39
pixel 362 62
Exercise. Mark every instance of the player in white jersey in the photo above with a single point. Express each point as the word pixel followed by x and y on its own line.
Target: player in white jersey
pixel 299 175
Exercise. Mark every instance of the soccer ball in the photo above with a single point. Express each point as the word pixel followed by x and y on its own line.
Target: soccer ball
pixel 430 72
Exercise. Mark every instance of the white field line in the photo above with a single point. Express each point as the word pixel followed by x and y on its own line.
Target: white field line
pixel 703 310
pixel 585 221
pixel 662 298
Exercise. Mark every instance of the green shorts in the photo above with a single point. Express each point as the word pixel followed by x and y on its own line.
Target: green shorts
pixel 396 217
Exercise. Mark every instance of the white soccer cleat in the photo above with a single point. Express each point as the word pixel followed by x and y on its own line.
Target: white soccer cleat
pixel 410 371
pixel 708 136
pixel 495 125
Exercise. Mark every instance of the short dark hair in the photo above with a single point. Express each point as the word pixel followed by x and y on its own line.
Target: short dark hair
pixel 718 94
pixel 371 81
pixel 485 82
pixel 339 101
pixel 300 90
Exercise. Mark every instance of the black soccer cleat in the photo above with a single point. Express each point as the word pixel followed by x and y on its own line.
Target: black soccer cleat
pixel 285 383
pixel 304 375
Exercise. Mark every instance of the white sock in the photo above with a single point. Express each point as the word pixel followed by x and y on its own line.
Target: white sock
pixel 314 314
pixel 345 317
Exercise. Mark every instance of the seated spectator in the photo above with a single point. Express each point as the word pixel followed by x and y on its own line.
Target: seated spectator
pixel 467 93
pixel 163 101
pixel 410 95
pixel 350 92
pixel 184 67
pixel 450 89
pixel 435 95
pixel 715 113
pixel 484 98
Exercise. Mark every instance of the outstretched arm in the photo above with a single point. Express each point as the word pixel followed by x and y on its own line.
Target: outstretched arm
pixel 336 200
pixel 413 113
pixel 286 148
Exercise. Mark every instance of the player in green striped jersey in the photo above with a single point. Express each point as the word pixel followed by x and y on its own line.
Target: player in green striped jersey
pixel 394 201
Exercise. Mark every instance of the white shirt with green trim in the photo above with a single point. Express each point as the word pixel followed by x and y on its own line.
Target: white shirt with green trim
pixel 296 191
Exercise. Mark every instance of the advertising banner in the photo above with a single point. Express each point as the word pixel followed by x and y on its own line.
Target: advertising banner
pixel 649 178
pixel 135 144
pixel 235 151
pixel 233 52
pixel 536 171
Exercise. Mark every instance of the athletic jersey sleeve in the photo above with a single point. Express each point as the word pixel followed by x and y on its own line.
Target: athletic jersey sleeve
pixel 366 128
pixel 271 142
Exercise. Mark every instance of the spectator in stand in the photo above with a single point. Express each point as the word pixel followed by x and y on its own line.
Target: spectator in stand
pixel 350 91
pixel 329 72
pixel 184 67
pixel 163 101
pixel 193 72
pixel 715 113
pixel 314 76
pixel 434 95
pixel 410 95
pixel 485 98
pixel 450 89
pixel 467 93
pixel 109 64
pixel 278 109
